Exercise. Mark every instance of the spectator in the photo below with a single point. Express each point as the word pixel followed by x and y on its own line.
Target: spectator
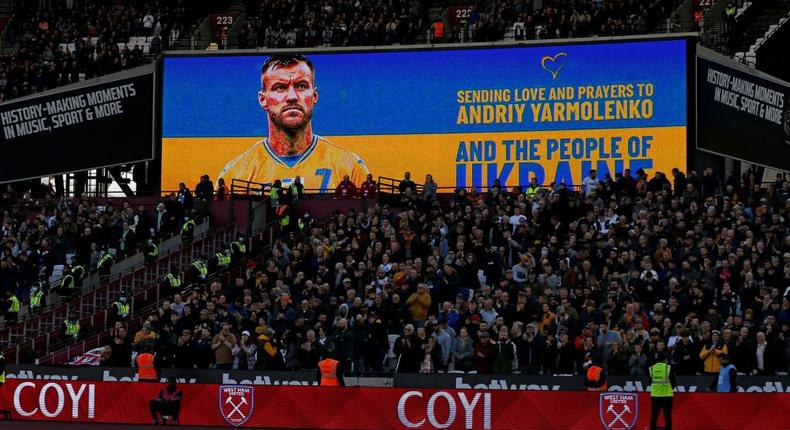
pixel 268 356
pixel 684 357
pixel 429 189
pixel 311 351
pixel 121 349
pixel 590 182
pixel 617 362
pixel 419 303
pixel 463 351
pixel 204 190
pixel 530 348
pixel 505 353
pixel 432 356
pixel 407 184
pixel 408 349
pixel 765 355
pixel 485 353
pixel 710 353
pixel 244 353
pixel 658 274
pixel 346 188
pixel 637 362
pixel 369 188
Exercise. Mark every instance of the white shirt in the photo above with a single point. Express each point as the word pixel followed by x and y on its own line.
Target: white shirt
pixel 761 356
pixel 515 220
pixel 588 184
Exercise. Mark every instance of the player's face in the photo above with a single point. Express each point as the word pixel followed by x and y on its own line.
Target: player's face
pixel 289 95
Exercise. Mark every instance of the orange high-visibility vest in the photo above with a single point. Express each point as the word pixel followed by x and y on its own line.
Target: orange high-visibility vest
pixel 328 369
pixel 145 367
pixel 593 373
pixel 438 30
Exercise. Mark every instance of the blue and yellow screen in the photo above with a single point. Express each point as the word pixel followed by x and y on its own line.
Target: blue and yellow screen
pixel 466 116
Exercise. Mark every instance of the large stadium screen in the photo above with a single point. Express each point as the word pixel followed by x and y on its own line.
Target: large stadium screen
pixel 467 116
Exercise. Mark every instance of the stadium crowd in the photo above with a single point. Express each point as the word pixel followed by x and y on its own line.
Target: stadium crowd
pixel 52 243
pixel 57 42
pixel 91 32
pixel 282 24
pixel 541 280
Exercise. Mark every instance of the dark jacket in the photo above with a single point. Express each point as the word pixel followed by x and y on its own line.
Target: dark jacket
pixel 503 358
pixel 685 366
pixel 530 354
pixel 408 349
pixel 484 364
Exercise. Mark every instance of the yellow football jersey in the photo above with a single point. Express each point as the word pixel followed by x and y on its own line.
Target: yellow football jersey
pixel 321 166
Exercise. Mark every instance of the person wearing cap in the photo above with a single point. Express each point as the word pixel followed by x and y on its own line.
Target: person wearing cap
pixel 104 265
pixel 661 379
pixel 70 328
pixel 146 365
pixel 594 375
pixel 68 285
pixel 484 354
pixel 188 230
pixel 119 310
pixel 268 356
pixel 244 353
pixel 726 380
pixel 711 351
pixel 330 371
pixel 238 248
pixel 151 251
pixel 37 299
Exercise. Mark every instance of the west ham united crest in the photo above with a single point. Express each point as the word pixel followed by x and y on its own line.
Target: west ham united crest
pixel 235 403
pixel 618 411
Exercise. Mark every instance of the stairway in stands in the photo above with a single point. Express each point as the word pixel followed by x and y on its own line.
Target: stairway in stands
pixel 761 15
pixel 40 335
pixel 260 247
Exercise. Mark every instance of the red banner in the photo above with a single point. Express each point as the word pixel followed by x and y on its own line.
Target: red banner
pixel 386 408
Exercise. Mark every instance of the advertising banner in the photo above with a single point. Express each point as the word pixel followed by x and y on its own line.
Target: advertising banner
pixel 183 376
pixel 742 113
pixel 685 384
pixel 467 116
pixel 104 122
pixel 384 408
pixel 460 381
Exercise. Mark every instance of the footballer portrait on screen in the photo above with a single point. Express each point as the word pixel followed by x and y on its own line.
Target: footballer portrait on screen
pixel 289 95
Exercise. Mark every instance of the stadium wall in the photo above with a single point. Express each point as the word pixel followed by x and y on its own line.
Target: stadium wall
pixel 383 408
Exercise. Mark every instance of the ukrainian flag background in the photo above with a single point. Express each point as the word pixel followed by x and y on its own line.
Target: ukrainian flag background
pixel 398 110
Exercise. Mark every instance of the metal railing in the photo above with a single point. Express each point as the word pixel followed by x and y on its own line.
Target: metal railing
pixel 42 332
pixel 92 278
pixel 262 240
